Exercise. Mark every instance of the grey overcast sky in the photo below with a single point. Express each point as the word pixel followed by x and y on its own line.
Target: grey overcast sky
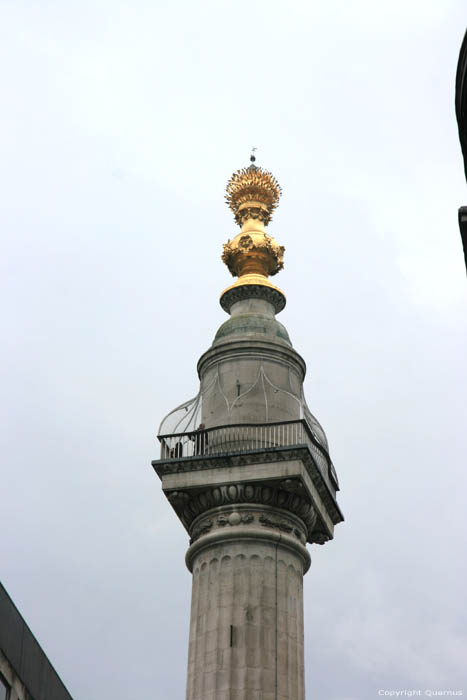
pixel 121 123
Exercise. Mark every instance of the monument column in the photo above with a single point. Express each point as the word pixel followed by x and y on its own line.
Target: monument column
pixel 246 627
pixel 246 467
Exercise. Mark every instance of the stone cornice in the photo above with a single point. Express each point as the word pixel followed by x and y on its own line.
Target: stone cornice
pixel 278 454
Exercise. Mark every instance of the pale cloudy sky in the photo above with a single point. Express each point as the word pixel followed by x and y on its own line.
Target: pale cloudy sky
pixel 120 126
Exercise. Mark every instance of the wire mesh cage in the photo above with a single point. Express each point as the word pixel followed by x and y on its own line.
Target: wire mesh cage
pixel 238 418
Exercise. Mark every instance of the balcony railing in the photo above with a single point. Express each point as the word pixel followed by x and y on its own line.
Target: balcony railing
pixel 231 439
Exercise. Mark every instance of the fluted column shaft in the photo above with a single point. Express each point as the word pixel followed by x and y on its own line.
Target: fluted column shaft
pixel 246 628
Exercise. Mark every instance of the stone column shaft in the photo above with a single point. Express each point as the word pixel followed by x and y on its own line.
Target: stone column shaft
pixel 246 627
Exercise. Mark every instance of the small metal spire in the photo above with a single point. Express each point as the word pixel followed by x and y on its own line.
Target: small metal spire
pixel 252 156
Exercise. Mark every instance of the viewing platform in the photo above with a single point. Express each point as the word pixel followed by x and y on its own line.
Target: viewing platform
pixel 238 438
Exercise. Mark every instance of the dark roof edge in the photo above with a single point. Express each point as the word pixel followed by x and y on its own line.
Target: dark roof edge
pixel 16 640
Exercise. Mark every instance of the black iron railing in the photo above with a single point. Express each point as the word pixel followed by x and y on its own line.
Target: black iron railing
pixel 231 439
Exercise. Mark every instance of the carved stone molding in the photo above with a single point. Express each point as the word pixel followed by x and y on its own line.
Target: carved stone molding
pixel 292 485
pixel 319 537
pixel 241 515
pixel 261 493
pixel 224 520
pixel 201 529
pixel 282 525
pixel 178 498
pixel 252 291
pixel 235 519
pixel 263 524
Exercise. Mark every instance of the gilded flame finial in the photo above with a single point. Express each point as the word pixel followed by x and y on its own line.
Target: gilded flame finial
pixel 252 194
